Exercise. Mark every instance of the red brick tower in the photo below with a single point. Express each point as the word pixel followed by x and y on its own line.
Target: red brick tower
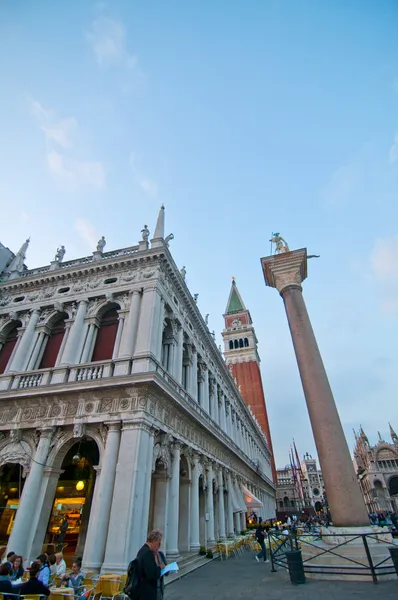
pixel 240 351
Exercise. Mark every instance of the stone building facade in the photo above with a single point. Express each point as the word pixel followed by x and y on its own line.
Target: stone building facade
pixel 108 373
pixel 377 471
pixel 310 497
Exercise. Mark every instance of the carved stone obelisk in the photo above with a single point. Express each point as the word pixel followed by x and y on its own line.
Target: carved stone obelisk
pixel 286 271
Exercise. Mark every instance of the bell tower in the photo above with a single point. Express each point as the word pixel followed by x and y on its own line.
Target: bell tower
pixel 241 354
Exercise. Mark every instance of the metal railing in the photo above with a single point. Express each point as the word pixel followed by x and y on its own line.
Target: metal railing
pixel 369 567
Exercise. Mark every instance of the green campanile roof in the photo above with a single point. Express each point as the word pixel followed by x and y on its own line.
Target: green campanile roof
pixel 235 302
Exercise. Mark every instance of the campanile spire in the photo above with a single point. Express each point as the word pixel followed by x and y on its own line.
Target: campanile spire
pixel 240 351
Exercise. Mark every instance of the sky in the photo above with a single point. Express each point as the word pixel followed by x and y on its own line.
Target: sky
pixel 243 118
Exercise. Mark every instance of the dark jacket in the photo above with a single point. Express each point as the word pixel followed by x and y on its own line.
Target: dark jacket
pixel 5 586
pixel 17 574
pixel 260 534
pixel 34 586
pixel 150 573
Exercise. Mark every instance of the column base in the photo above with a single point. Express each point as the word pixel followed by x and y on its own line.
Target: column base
pixel 194 547
pixel 340 565
pixel 172 555
pixel 122 366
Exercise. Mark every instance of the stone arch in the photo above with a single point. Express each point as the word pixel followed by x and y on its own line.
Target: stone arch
pixel 104 307
pixel 393 485
pixel 9 326
pixel 54 316
pixel 18 451
pixel 65 441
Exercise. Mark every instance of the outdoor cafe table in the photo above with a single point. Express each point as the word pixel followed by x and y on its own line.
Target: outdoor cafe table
pixel 65 591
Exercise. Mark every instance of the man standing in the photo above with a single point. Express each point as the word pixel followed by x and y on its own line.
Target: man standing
pixel 260 537
pixel 151 561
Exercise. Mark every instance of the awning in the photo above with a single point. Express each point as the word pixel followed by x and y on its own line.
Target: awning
pixel 240 498
pixel 251 501
pixel 234 499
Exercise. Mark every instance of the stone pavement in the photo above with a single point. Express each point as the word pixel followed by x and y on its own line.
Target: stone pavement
pixel 243 578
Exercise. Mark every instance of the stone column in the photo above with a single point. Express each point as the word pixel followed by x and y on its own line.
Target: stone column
pixel 243 520
pixel 33 362
pixel 130 326
pixel 228 417
pixel 230 509
pixel 63 344
pixel 210 505
pixel 73 347
pixel 128 523
pixel 21 531
pixel 194 374
pixel 88 342
pixel 119 333
pixel 286 272
pixel 221 407
pixel 94 550
pixel 205 388
pixel 174 503
pixel 148 342
pixel 237 527
pixel 22 353
pixel 221 508
pixel 212 384
pixel 195 545
pixel 179 353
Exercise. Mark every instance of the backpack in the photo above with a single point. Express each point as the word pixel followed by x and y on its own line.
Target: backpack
pixel 133 581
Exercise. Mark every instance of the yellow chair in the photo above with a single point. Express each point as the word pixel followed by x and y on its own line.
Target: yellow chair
pixel 123 579
pixel 32 597
pixel 110 587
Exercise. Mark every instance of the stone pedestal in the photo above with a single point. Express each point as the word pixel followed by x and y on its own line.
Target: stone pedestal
pixel 286 272
pixel 332 557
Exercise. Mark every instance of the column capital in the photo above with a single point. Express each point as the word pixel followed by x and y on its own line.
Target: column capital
pixel 113 425
pixel 46 432
pixel 285 270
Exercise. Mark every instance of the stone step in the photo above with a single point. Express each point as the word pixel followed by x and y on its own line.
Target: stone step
pixel 188 564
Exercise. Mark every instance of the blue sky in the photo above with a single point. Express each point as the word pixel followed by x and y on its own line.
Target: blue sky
pixel 243 118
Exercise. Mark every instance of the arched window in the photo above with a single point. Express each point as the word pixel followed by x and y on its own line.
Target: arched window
pixel 240 343
pixel 106 336
pixel 231 345
pixel 246 343
pixel 236 344
pixel 8 343
pixel 54 342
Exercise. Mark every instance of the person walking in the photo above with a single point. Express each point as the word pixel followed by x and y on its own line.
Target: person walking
pixel 151 563
pixel 260 537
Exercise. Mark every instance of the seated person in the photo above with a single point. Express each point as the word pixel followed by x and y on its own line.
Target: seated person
pixel 75 579
pixel 44 573
pixel 60 564
pixel 17 568
pixel 5 581
pixel 34 585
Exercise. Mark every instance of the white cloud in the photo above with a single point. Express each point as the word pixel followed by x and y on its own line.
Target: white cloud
pixel 59 131
pixel 62 162
pixel 394 150
pixel 87 232
pixel 108 42
pixel 147 185
pixel 75 173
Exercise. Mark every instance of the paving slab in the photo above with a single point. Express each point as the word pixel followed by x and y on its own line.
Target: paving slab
pixel 243 578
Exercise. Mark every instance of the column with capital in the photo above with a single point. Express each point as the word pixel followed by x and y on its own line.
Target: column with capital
pixel 286 272
pixel 221 410
pixel 24 349
pixel 22 534
pixel 210 505
pixel 195 544
pixel 94 549
pixel 73 347
pixel 230 508
pixel 194 374
pixel 221 507
pixel 128 523
pixel 179 350
pixel 174 502
pixel 212 394
pixel 205 388
pixel 44 505
pixel 129 334
pixel 150 328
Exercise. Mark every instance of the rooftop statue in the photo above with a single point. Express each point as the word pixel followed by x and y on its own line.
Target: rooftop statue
pixel 145 233
pixel 60 254
pixel 280 244
pixel 101 244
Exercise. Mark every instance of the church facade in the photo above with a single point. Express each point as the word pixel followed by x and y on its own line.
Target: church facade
pixel 377 471
pixel 118 411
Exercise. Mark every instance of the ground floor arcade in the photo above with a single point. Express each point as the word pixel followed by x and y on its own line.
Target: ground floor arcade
pixel 113 481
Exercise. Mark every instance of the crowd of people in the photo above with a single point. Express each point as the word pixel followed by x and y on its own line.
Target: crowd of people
pixel 42 574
